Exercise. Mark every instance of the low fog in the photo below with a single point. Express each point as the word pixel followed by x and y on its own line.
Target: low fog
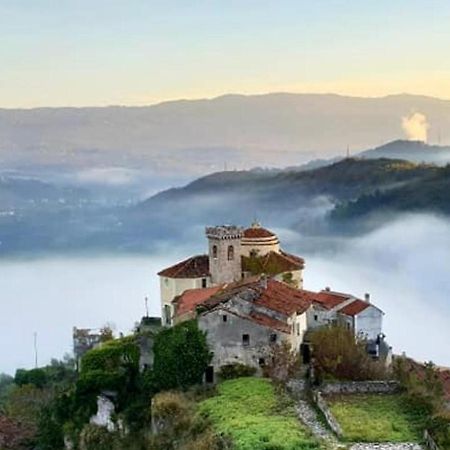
pixel 404 265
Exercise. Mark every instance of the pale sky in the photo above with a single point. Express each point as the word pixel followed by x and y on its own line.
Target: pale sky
pixel 136 52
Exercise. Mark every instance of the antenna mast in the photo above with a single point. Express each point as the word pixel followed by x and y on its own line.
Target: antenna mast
pixel 35 350
pixel 146 306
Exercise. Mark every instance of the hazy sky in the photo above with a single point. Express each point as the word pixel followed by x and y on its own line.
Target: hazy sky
pixel 97 52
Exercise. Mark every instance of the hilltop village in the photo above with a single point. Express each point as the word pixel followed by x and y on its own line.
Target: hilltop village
pixel 247 294
pixel 243 357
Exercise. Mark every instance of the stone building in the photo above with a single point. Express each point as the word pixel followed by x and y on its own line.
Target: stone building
pixel 243 320
pixel 247 294
pixel 361 316
pixel 234 254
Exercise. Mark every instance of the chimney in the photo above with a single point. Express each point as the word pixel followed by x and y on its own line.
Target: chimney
pixel 367 297
pixel 263 281
pixel 328 289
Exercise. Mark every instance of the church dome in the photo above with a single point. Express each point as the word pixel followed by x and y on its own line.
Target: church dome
pixel 259 240
pixel 257 231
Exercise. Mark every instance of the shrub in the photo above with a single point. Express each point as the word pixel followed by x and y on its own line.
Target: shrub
pixel 283 364
pixel 113 366
pixel 338 354
pixel 235 370
pixel 171 411
pixel 36 377
pixel 181 356
pixel 94 437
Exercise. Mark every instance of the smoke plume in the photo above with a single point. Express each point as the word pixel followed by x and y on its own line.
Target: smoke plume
pixel 416 127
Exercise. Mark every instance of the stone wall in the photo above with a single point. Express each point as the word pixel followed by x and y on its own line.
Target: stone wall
pixel 322 405
pixel 360 387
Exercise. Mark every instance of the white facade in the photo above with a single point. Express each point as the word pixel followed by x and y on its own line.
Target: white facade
pixel 172 287
pixel 260 246
pixel 369 323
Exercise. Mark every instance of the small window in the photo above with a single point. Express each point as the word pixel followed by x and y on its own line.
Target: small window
pixel 261 362
pixel 167 314
pixel 224 318
pixel 246 340
pixel 273 338
pixel 298 329
pixel 204 282
pixel 230 253
pixel 316 317
pixel 214 251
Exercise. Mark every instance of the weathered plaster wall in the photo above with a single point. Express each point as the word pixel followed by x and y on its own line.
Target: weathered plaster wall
pixel 226 338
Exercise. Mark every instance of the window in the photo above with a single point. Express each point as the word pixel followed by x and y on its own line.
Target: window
pixel 316 317
pixel 298 329
pixel 230 253
pixel 245 340
pixel 261 362
pixel 224 318
pixel 273 338
pixel 204 282
pixel 167 314
pixel 214 251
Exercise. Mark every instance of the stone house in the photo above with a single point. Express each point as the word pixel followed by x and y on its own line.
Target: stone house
pixel 243 320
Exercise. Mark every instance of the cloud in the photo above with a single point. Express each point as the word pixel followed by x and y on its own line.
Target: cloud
pixel 416 127
pixel 404 266
pixel 112 176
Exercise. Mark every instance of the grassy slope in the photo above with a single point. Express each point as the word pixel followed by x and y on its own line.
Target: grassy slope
pixel 378 418
pixel 246 409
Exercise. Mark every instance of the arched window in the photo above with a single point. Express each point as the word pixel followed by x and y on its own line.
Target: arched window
pixel 214 251
pixel 230 253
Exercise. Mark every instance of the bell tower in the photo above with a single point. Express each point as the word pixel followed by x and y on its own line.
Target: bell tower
pixel 225 253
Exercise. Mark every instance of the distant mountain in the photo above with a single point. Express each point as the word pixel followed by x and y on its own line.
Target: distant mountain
pixel 194 137
pixel 320 202
pixel 21 193
pixel 291 198
pixel 415 151
pixel 430 193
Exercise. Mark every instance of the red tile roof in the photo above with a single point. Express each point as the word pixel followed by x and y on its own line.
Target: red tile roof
pixel 195 267
pixel 269 293
pixel 354 308
pixel 329 299
pixel 283 298
pixel 191 298
pixel 270 322
pixel 258 232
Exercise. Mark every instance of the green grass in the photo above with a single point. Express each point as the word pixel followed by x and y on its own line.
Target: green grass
pixel 248 410
pixel 378 417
